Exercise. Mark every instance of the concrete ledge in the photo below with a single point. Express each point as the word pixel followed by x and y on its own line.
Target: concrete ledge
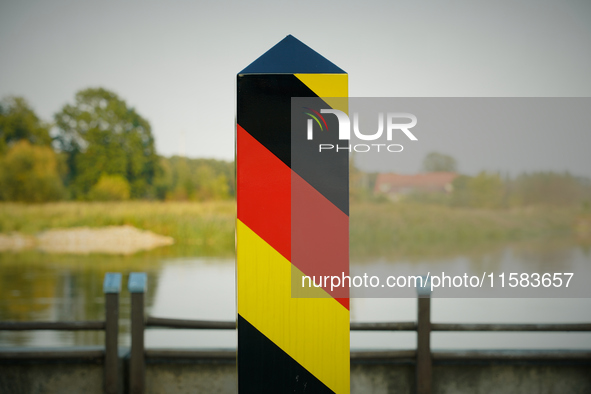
pixel 200 356
pixel 184 378
pixel 206 371
pixel 511 379
pixel 90 354
pixel 51 377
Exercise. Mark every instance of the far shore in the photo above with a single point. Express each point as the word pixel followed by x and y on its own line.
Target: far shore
pixel 207 228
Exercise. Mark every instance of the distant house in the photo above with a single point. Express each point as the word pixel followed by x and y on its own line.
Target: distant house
pixel 398 185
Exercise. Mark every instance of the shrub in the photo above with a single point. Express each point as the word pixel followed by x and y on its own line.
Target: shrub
pixel 29 173
pixel 110 187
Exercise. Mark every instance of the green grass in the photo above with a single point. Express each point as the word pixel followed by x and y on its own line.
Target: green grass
pixel 378 229
pixel 419 230
pixel 197 228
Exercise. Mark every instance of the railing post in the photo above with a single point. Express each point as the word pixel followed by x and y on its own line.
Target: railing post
pixel 137 368
pixel 424 361
pixel 111 288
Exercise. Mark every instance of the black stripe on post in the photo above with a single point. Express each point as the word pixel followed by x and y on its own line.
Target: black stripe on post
pixel 266 369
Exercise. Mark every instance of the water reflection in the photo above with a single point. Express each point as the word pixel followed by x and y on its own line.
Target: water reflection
pixel 42 287
pixel 197 288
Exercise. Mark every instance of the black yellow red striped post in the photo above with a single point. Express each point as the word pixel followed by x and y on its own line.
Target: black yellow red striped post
pixel 285 344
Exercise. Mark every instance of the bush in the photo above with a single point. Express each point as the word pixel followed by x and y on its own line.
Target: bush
pixel 110 187
pixel 29 173
pixel 485 190
pixel 18 122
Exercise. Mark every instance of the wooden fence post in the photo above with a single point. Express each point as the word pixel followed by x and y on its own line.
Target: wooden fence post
pixel 424 360
pixel 289 344
pixel 137 365
pixel 111 288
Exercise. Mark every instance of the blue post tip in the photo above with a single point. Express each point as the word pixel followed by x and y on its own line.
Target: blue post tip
pixel 137 282
pixel 112 283
pixel 424 290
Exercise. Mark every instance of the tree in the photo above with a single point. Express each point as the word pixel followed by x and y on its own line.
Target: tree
pixel 485 190
pixel 101 134
pixel 438 162
pixel 548 188
pixel 110 187
pixel 181 178
pixel 460 195
pixel 19 122
pixel 209 186
pixel 29 173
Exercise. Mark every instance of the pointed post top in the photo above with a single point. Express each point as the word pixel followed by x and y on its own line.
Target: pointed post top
pixel 291 56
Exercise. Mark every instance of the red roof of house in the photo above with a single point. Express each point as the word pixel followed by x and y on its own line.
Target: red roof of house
pixel 427 182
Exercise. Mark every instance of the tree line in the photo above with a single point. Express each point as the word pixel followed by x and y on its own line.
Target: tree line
pixel 97 148
pixel 488 190
pixel 100 148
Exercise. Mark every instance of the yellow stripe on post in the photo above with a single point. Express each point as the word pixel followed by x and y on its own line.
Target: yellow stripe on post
pixel 305 328
pixel 328 86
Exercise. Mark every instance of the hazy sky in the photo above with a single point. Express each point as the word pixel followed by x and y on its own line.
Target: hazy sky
pixel 176 61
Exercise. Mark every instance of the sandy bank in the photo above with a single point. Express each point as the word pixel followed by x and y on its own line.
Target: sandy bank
pixel 84 240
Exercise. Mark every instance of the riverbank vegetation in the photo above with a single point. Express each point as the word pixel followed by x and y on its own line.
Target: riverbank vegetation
pixel 377 228
pixel 205 228
pixel 411 229
pixel 96 165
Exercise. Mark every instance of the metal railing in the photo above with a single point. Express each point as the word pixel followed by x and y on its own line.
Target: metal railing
pixel 108 355
pixel 423 357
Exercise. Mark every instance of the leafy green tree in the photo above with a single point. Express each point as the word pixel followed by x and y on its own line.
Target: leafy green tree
pixel 163 180
pixel 180 178
pixel 29 173
pixel 209 186
pixel 101 134
pixel 485 190
pixel 182 186
pixel 19 122
pixel 460 195
pixel 438 162
pixel 548 188
pixel 110 187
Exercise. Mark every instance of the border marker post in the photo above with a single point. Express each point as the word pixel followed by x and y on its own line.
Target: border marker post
pixel 288 344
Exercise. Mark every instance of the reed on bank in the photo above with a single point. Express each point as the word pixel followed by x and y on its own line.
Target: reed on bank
pixel 375 228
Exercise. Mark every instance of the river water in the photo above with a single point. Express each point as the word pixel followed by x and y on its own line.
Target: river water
pixel 44 287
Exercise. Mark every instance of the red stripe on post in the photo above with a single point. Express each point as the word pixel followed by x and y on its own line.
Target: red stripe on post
pixel 320 234
pixel 262 205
